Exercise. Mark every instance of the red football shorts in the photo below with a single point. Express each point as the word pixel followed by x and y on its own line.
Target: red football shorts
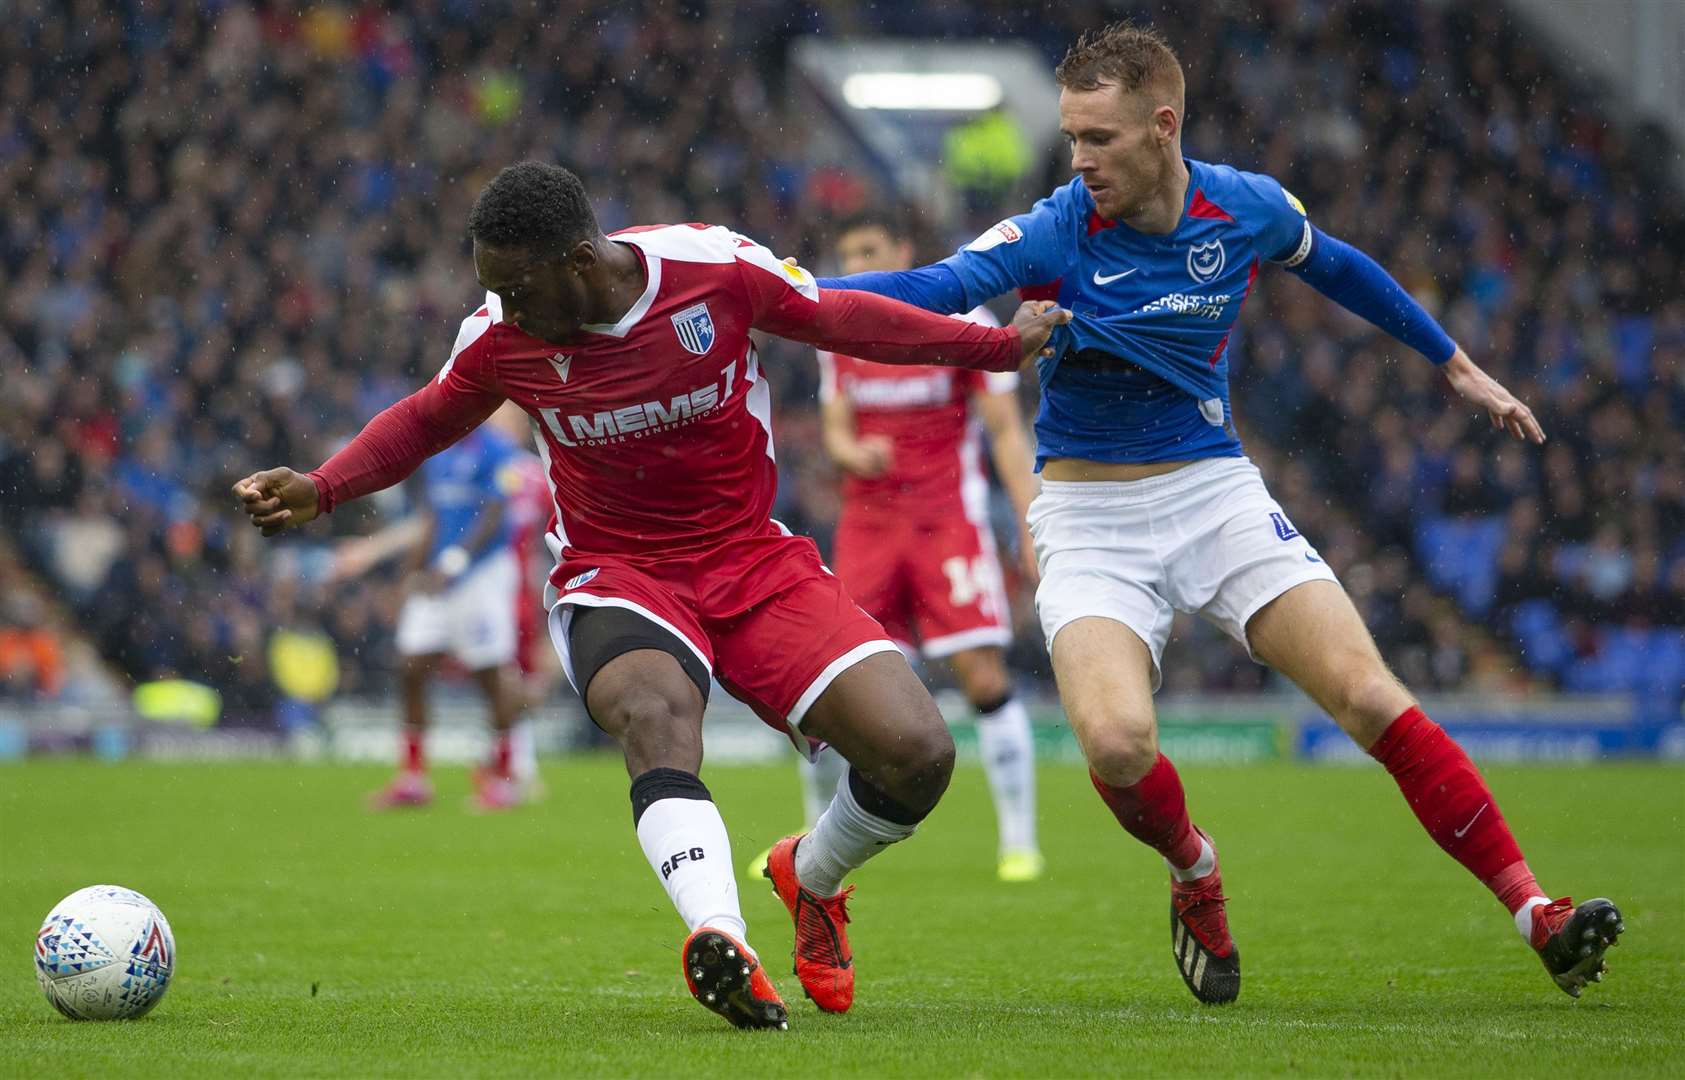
pixel 772 625
pixel 937 583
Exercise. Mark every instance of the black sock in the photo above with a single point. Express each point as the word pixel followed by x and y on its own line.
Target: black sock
pixel 658 784
pixel 877 803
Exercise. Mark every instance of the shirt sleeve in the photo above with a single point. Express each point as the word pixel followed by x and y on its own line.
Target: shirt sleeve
pixel 934 288
pixel 1026 250
pixel 1280 228
pixel 395 443
pixel 1360 285
pixel 771 284
pixel 786 300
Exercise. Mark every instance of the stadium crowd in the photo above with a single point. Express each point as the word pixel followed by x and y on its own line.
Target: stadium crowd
pixel 234 231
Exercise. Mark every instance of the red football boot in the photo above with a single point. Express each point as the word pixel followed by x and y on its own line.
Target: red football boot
pixel 1206 956
pixel 727 979
pixel 824 963
pixel 408 789
pixel 494 792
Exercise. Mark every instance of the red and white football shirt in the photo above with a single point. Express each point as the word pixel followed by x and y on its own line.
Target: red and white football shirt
pixel 925 411
pixel 914 545
pixel 656 431
pixel 656 438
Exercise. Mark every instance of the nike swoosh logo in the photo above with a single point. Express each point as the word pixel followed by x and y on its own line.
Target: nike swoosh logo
pixel 1311 558
pixel 1459 833
pixel 1107 279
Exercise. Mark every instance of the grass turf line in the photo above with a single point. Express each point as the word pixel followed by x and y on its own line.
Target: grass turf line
pixel 439 943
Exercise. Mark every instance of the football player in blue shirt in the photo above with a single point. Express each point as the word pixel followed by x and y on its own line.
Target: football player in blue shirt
pixel 1149 505
pixel 464 584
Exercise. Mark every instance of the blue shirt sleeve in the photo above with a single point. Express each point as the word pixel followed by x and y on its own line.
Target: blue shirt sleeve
pixel 934 288
pixel 1282 233
pixel 1276 219
pixel 1030 249
pixel 1358 283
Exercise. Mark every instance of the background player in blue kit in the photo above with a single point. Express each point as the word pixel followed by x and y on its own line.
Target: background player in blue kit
pixel 464 583
pixel 1149 504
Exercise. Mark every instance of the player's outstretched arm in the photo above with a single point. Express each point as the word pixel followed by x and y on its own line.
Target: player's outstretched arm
pixel 1359 284
pixel 1029 249
pixel 877 328
pixel 386 451
pixel 933 288
pixel 357 556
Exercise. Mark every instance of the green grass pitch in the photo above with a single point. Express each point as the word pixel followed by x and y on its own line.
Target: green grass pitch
pixel 317 940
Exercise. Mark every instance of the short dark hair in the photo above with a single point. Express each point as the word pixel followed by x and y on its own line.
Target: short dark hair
pixel 1125 55
pixel 889 220
pixel 535 207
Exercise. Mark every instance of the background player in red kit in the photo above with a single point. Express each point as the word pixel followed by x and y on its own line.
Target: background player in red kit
pixel 913 541
pixel 632 355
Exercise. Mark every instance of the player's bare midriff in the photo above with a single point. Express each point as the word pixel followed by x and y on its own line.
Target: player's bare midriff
pixel 1081 470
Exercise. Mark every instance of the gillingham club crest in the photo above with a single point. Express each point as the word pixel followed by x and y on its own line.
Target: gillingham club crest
pixel 695 328
pixel 1206 261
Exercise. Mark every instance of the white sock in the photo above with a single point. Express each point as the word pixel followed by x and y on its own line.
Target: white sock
pixel 1009 761
pixel 845 837
pixel 686 844
pixel 1524 917
pixel 523 753
pixel 819 782
pixel 1202 866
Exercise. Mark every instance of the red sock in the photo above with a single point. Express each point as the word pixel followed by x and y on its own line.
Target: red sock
pixel 1453 803
pixel 413 738
pixel 1154 811
pixel 500 754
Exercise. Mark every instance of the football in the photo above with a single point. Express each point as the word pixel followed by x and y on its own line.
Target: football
pixel 104 953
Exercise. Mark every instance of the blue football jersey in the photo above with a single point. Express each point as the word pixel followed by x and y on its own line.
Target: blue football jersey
pixel 462 482
pixel 1141 372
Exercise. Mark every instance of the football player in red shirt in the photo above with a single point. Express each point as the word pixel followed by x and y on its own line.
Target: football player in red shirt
pixel 913 543
pixel 632 355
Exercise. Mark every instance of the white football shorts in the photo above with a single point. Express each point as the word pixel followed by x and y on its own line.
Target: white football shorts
pixel 473 620
pixel 1207 539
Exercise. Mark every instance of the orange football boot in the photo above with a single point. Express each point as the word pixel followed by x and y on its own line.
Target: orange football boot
pixel 824 963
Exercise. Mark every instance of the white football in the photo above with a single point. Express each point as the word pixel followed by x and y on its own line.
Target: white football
pixel 105 953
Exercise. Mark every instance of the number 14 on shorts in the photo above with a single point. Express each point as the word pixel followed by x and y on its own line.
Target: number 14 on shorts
pixel 968 580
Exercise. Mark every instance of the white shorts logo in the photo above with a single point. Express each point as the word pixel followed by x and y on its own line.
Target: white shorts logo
pixel 1206 261
pixel 577 580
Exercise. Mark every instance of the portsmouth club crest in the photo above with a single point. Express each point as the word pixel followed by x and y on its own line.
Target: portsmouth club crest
pixel 695 328
pixel 1206 261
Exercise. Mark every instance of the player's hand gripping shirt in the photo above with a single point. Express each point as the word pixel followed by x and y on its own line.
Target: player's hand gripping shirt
pixel 925 412
pixel 1163 305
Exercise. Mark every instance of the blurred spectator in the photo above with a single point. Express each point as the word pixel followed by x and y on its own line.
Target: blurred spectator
pixel 31 662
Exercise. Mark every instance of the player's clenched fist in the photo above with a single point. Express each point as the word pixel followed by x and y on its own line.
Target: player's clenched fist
pixel 277 499
pixel 1034 321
